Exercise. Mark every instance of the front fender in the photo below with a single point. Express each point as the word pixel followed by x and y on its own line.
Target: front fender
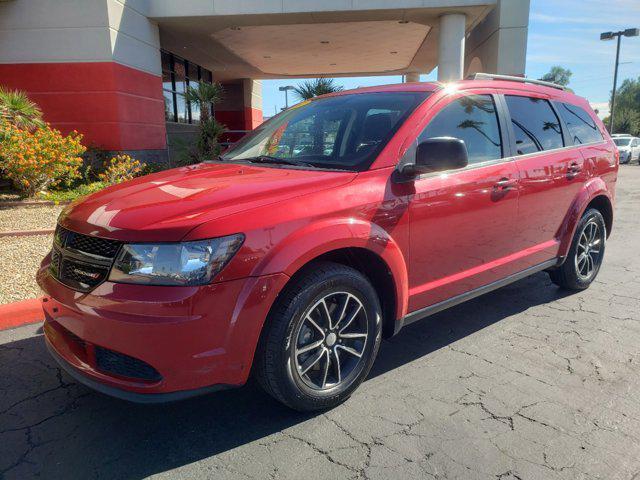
pixel 593 188
pixel 318 238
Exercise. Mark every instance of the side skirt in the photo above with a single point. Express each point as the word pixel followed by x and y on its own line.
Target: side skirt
pixel 463 297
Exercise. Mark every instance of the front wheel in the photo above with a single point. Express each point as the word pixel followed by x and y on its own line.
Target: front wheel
pixel 583 262
pixel 321 338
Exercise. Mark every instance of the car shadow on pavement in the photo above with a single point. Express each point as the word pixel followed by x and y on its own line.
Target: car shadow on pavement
pixel 54 428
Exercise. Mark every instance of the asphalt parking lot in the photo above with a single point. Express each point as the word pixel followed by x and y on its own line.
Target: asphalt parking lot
pixel 527 382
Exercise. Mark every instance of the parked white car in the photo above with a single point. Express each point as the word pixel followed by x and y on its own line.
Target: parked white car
pixel 629 148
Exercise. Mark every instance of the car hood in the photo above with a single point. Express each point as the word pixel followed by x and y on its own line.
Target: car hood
pixel 165 206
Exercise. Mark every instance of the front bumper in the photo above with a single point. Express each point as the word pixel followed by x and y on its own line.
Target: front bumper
pixel 175 341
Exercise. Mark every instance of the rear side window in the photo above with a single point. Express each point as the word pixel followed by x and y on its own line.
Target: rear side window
pixel 472 119
pixel 535 124
pixel 582 127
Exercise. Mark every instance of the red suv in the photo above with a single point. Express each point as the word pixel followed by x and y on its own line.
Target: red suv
pixel 327 228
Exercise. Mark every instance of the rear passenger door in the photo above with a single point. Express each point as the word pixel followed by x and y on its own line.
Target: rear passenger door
pixel 463 221
pixel 551 174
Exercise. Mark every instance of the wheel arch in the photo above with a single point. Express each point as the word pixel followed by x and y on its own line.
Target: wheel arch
pixel 361 245
pixel 593 195
pixel 372 266
pixel 603 204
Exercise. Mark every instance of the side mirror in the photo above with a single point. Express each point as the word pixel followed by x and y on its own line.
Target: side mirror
pixel 438 154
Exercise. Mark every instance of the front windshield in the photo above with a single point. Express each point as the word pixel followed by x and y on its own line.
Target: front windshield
pixel 622 142
pixel 343 132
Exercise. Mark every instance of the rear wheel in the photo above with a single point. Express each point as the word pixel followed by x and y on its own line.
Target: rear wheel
pixel 321 338
pixel 585 256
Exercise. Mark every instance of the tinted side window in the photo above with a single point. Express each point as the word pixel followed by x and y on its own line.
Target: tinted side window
pixel 581 126
pixel 472 119
pixel 535 124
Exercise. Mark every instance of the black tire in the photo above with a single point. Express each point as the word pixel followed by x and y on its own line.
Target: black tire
pixel 277 361
pixel 573 274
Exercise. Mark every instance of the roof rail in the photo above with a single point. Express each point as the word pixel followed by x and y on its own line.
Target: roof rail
pixel 509 78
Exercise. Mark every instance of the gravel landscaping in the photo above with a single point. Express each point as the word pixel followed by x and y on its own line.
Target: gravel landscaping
pixel 19 261
pixel 29 218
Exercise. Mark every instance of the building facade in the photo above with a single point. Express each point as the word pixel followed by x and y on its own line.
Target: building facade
pixel 117 70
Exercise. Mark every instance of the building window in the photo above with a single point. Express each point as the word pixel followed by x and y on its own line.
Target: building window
pixel 179 74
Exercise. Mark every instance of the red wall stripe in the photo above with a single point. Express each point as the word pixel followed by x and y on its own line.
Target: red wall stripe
pixel 114 106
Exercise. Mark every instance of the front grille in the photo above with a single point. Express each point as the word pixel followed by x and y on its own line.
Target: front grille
pixel 55 262
pixel 102 247
pixel 123 365
pixel 82 262
pixel 82 276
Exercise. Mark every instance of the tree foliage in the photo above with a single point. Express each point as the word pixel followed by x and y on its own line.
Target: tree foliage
pixel 317 87
pixel 559 75
pixel 627 113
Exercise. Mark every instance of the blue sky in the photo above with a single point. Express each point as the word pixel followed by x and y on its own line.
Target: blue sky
pixel 561 32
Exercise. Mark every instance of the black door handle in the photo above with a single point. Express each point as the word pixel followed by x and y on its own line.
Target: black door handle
pixel 505 184
pixel 574 169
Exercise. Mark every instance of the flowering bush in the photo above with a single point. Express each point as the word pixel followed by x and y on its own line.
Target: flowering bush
pixel 121 168
pixel 40 158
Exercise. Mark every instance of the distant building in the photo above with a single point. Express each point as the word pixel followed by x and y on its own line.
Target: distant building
pixel 116 70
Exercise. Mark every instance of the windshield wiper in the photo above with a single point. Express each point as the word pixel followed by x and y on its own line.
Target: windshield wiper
pixel 276 160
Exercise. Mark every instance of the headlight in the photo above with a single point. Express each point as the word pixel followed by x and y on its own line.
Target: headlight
pixel 185 263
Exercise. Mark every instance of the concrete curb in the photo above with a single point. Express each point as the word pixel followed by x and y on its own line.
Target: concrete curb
pixel 16 314
pixel 31 203
pixel 26 233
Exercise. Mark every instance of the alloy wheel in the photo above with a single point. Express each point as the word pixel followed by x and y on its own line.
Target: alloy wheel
pixel 588 250
pixel 331 340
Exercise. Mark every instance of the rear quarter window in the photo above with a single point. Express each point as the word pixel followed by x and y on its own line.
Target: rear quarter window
pixel 582 127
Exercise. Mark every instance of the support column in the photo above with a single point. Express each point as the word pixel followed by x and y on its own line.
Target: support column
pixel 499 43
pixel 252 103
pixel 451 47
pixel 412 77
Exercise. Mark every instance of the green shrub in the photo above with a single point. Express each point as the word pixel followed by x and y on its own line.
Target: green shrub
pixel 120 169
pixel 37 159
pixel 69 195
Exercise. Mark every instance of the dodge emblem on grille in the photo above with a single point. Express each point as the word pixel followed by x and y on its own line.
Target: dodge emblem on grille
pixel 84 273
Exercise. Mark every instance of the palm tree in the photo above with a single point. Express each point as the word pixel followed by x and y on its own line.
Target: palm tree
pixel 477 126
pixel 205 95
pixel 19 110
pixel 314 88
pixel 471 103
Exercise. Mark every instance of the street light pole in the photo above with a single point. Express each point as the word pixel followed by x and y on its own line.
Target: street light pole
pixel 286 89
pixel 615 84
pixel 629 32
